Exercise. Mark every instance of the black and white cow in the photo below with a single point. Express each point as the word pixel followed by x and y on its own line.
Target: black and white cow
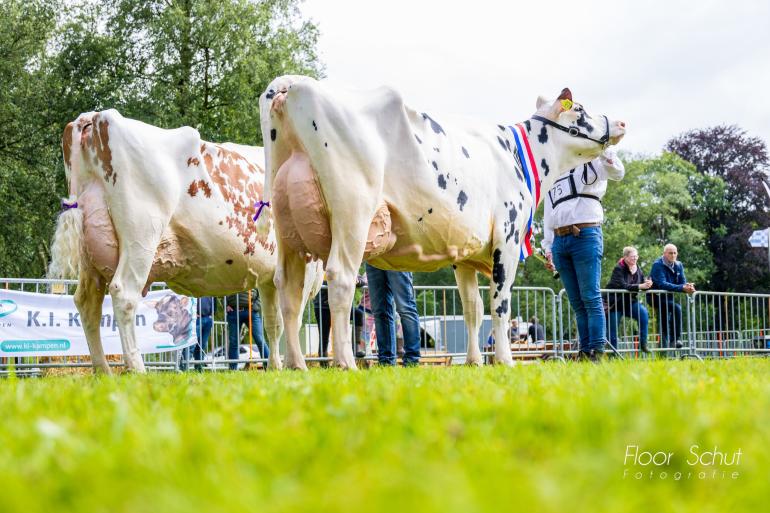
pixel 361 175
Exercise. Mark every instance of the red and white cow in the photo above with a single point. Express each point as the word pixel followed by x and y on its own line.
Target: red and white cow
pixel 150 204
pixel 361 175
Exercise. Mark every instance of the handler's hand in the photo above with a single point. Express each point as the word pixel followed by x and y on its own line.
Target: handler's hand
pixel 549 262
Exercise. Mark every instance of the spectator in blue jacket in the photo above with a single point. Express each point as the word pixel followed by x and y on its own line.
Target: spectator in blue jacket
pixel 668 274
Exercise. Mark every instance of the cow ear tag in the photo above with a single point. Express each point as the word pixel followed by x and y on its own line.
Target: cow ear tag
pixel 566 104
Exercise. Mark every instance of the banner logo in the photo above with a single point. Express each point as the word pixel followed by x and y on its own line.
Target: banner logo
pixel 7 307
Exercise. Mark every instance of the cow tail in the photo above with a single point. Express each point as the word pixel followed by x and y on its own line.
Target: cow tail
pixel 67 242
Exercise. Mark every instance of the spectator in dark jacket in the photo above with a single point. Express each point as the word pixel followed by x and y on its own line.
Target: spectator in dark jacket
pixel 668 274
pixel 627 275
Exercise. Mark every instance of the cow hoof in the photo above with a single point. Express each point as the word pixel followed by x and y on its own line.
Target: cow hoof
pixel 474 362
pixel 503 362
pixel 347 365
pixel 298 366
pixel 274 363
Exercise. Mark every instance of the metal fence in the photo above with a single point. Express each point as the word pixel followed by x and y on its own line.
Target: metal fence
pixel 654 320
pixel 727 324
pixel 543 325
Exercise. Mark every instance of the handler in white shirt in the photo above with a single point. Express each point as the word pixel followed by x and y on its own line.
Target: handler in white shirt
pixel 574 244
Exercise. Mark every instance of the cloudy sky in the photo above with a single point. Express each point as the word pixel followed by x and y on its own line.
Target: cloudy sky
pixel 662 66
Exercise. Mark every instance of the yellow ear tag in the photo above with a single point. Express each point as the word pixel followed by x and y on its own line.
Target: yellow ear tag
pixel 566 104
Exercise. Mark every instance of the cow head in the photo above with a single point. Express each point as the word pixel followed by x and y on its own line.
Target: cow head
pixel 569 134
pixel 173 316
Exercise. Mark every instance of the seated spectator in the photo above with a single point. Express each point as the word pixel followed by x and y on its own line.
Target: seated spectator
pixel 237 308
pixel 668 274
pixel 489 345
pixel 627 275
pixel 536 331
pixel 203 330
pixel 517 336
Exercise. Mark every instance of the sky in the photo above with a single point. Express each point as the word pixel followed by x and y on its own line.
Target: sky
pixel 663 67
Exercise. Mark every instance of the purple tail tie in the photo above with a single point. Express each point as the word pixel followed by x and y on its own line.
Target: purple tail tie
pixel 259 205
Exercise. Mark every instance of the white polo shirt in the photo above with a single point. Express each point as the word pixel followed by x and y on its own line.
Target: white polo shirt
pixel 574 198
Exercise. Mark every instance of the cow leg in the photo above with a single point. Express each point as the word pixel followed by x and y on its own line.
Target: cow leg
pixel 272 320
pixel 289 278
pixel 89 297
pixel 473 310
pixel 505 260
pixel 342 287
pixel 344 260
pixel 137 250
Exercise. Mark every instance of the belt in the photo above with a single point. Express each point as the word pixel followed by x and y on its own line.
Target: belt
pixel 573 229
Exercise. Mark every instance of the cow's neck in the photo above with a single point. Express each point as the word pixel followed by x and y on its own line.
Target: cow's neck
pixel 552 162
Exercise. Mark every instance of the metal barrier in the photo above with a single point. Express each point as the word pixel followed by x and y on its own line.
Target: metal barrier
pixel 443 334
pixel 727 324
pixel 667 318
pixel 709 324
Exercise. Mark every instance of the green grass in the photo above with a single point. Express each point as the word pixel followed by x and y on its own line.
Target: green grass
pixel 547 437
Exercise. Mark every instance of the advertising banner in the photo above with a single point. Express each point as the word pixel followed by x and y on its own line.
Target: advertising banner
pixel 33 324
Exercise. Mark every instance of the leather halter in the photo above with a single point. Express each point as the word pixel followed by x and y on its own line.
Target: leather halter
pixel 575 132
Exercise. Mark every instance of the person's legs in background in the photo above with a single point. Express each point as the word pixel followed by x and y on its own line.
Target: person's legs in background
pixel 676 321
pixel 184 358
pixel 667 333
pixel 382 310
pixel 403 294
pixel 203 331
pixel 658 304
pixel 613 319
pixel 258 336
pixel 639 312
pixel 203 328
pixel 359 346
pixel 323 319
pixel 234 321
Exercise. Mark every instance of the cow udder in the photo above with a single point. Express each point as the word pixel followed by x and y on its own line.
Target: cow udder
pixel 302 219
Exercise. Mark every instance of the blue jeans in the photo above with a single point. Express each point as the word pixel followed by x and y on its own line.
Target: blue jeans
pixel 637 312
pixel 235 320
pixel 385 288
pixel 203 327
pixel 579 262
pixel 669 320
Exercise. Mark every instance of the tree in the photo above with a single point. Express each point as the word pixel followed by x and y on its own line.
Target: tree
pixel 659 201
pixel 728 153
pixel 29 187
pixel 201 63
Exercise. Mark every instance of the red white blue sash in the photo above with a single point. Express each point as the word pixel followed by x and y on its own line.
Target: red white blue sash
pixel 532 177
